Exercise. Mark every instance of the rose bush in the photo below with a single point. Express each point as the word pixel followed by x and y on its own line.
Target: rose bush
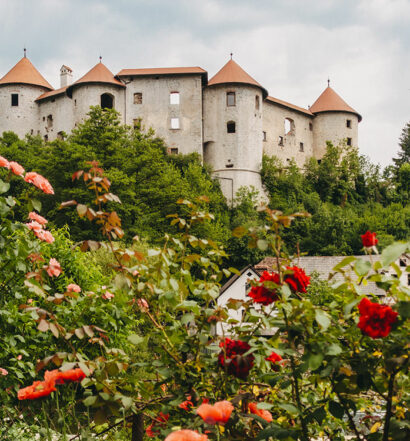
pixel 343 370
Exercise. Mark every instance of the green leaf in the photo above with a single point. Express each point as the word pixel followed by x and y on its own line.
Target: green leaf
pixel 344 263
pixel 4 186
pixel 126 402
pixel 315 360
pixel 336 409
pixel 293 410
pixel 404 309
pixel 89 401
pixel 135 339
pixel 393 252
pixel 334 349
pixel 81 210
pixel 262 244
pixel 36 204
pixel 265 406
pixel 319 414
pixel 322 319
pixel 186 318
pixel 362 267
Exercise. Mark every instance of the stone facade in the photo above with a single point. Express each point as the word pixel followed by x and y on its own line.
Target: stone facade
pixel 230 120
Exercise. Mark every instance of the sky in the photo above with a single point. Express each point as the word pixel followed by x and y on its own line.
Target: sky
pixel 291 47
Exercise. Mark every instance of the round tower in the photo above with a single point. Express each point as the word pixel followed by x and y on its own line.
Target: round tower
pixel 233 129
pixel 334 121
pixel 19 89
pixel 98 87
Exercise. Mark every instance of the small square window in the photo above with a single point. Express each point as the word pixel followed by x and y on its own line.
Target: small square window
pixel 138 98
pixel 310 126
pixel 173 150
pixel 301 147
pixel 231 127
pixel 174 98
pixel 319 161
pixel 280 140
pixel 349 141
pixel 230 99
pixel 349 123
pixel 14 99
pixel 264 136
pixel 137 123
pixel 175 123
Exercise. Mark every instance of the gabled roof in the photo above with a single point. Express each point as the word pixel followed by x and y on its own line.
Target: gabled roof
pixel 234 278
pixel 161 71
pixel 98 74
pixel 52 93
pixel 330 101
pixel 289 105
pixel 25 73
pixel 232 73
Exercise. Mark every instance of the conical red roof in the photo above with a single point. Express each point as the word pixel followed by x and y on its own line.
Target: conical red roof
pixel 330 101
pixel 99 74
pixel 25 73
pixel 233 73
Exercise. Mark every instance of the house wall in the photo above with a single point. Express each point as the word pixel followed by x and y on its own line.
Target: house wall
pixel 21 119
pixel 274 125
pixel 156 111
pixel 60 107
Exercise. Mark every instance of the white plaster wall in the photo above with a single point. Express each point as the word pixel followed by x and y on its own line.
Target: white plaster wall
pixel 274 126
pixel 156 111
pixel 61 109
pixel 86 95
pixel 21 119
pixel 331 126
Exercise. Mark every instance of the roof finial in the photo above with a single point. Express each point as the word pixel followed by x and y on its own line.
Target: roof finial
pixel 328 82
pixel 25 52
pixel 100 59
pixel 231 55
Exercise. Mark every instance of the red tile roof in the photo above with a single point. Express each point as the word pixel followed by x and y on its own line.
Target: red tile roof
pixel 289 105
pixel 52 93
pixel 98 74
pixel 161 71
pixel 25 73
pixel 233 73
pixel 330 101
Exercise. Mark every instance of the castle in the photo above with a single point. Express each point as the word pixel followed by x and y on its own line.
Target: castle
pixel 230 120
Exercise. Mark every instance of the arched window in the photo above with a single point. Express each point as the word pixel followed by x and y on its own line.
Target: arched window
pixel 107 101
pixel 289 126
pixel 50 121
pixel 231 127
pixel 174 98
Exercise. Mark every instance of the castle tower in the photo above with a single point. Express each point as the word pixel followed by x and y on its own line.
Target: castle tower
pixel 97 87
pixel 18 90
pixel 66 76
pixel 233 128
pixel 335 121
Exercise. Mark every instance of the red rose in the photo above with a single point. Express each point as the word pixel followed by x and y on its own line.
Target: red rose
pixel 369 239
pixel 262 294
pixel 274 358
pixel 161 420
pixel 298 281
pixel 375 319
pixel 231 357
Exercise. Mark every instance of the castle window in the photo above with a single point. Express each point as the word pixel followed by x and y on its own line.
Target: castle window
pixel 175 123
pixel 14 99
pixel 402 263
pixel 257 102
pixel 349 141
pixel 230 99
pixel 310 126
pixel 137 123
pixel 107 101
pixel 60 136
pixel 173 150
pixel 138 98
pixel 280 140
pixel 45 138
pixel 50 121
pixel 319 161
pixel 231 127
pixel 301 147
pixel 174 98
pixel 264 136
pixel 349 123
pixel 289 126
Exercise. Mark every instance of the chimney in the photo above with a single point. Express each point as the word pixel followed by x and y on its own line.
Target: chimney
pixel 65 76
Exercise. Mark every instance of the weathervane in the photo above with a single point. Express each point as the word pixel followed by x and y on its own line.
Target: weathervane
pixel 100 59
pixel 231 55
pixel 25 52
pixel 328 82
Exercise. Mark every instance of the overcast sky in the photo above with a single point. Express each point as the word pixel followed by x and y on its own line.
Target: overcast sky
pixel 291 47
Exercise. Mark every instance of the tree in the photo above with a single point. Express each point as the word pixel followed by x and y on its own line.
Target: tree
pixel 404 144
